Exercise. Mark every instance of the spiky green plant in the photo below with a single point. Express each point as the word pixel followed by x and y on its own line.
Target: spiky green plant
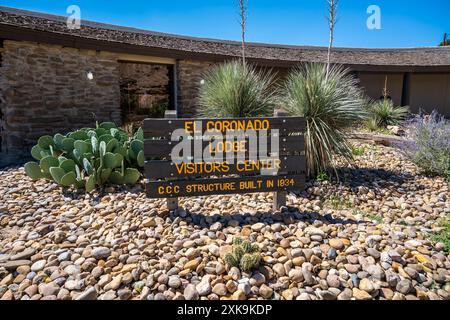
pixel 236 89
pixel 329 105
pixel 89 157
pixel 384 113
pixel 243 255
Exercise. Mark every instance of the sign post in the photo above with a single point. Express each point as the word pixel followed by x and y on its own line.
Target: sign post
pixel 279 197
pixel 172 203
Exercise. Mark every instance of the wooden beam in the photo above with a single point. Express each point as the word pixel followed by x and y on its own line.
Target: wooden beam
pixel 127 57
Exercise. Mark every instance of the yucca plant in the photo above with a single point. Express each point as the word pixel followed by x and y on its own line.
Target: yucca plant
pixel 236 89
pixel 384 113
pixel 329 105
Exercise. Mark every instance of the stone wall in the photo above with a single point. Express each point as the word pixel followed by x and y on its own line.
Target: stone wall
pixel 189 77
pixel 44 89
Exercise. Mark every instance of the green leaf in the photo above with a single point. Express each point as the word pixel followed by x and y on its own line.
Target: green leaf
pixel 80 184
pixel 33 170
pixel 58 139
pixel 69 179
pixel 100 132
pixel 106 137
pixel 102 148
pixel 79 135
pixel 94 144
pixel 87 166
pixel 131 176
pixel 82 147
pixel 77 155
pixel 78 173
pixel 141 159
pixel 139 135
pixel 48 162
pixel 111 160
pixel 61 159
pixel 67 144
pixel 91 133
pixel 136 146
pixel 45 153
pixel 103 175
pixel 36 152
pixel 107 125
pixel 116 178
pixel 90 183
pixel 68 165
pixel 121 150
pixel 57 174
pixel 45 142
pixel 111 145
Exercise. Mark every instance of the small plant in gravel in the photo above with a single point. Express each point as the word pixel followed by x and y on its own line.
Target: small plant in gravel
pixel 428 143
pixel 244 255
pixel 444 234
pixel 89 157
pixel 338 203
pixel 384 113
pixel 376 217
pixel 358 151
pixel 322 176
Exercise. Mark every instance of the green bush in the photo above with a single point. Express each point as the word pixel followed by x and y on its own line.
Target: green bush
pixel 384 113
pixel 428 143
pixel 329 106
pixel 236 90
pixel 244 255
pixel 89 157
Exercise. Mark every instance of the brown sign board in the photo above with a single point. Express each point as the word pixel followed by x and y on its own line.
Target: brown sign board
pixel 255 155
pixel 203 187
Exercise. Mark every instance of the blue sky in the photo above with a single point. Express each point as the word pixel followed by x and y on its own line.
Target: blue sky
pixel 404 23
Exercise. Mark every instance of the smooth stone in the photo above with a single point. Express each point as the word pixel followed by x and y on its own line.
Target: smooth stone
pixel 190 292
pixel 38 265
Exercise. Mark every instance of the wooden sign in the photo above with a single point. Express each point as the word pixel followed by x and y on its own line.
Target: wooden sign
pixel 198 157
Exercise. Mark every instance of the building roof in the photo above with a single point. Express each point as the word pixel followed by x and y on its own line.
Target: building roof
pixel 26 25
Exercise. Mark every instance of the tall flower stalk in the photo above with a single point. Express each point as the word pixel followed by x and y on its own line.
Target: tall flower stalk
pixel 332 20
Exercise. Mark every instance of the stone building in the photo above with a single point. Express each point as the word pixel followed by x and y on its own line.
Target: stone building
pixel 54 79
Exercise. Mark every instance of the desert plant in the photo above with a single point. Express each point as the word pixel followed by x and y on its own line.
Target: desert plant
pixel 428 143
pixel 384 113
pixel 243 255
pixel 443 235
pixel 322 176
pixel 234 89
pixel 332 20
pixel 328 105
pixel 89 157
pixel 243 22
pixel 358 151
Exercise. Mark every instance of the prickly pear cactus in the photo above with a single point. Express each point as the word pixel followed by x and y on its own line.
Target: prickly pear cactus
pixel 89 157
pixel 243 255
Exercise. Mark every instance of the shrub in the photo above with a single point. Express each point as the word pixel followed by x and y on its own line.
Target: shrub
pixel 89 157
pixel 322 176
pixel 443 235
pixel 329 107
pixel 358 151
pixel 238 90
pixel 244 255
pixel 383 113
pixel 428 143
